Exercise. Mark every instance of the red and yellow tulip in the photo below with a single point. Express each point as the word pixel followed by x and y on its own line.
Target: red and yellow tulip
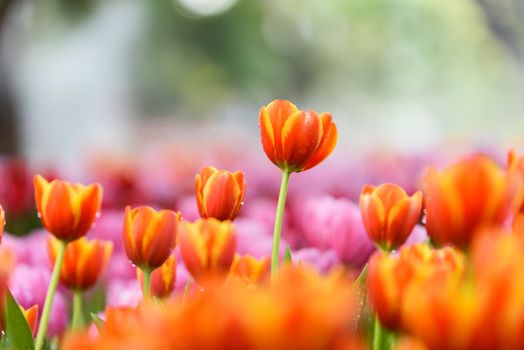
pixel 296 140
pixel 249 270
pixel 219 193
pixel 208 248
pixel 84 261
pixel 67 210
pixel 162 279
pixel 389 214
pixel 468 196
pixel 149 236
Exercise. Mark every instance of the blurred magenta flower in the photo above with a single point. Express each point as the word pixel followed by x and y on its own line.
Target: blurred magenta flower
pixel 330 223
pixel 31 249
pixel 123 293
pixel 254 239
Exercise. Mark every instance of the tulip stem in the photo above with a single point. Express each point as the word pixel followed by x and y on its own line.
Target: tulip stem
pixel 377 334
pixel 147 284
pixel 51 290
pixel 278 222
pixel 78 321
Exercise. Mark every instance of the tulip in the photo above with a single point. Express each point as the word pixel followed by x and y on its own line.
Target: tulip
pixel 515 165
pixel 390 275
pixel 162 279
pixel 84 261
pixel 249 270
pixel 208 248
pixel 149 239
pixel 31 316
pixel 294 141
pixel 470 195
pixel 67 210
pixel 2 222
pixel 219 193
pixel 389 214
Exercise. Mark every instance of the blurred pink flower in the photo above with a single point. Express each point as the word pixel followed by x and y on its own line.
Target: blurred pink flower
pixel 188 207
pixel 123 293
pixel 31 249
pixel 254 239
pixel 321 260
pixel 29 286
pixel 418 235
pixel 330 223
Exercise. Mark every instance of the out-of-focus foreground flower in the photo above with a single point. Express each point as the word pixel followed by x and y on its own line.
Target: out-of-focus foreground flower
pixel 316 315
pixel 219 193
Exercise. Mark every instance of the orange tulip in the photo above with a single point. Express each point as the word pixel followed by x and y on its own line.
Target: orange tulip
pixel 389 214
pixel 296 140
pixel 249 270
pixel 516 165
pixel 208 248
pixel 390 275
pixel 67 210
pixel 2 222
pixel 162 279
pixel 149 236
pixel 470 195
pixel 84 261
pixel 219 193
pixel 31 316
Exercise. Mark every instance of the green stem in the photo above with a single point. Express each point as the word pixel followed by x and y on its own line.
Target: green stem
pixel 78 321
pixel 147 284
pixel 53 283
pixel 278 222
pixel 377 334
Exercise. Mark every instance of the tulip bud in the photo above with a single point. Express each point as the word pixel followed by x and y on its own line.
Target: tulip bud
pixel 389 214
pixel 67 210
pixel 162 279
pixel 295 140
pixel 149 236
pixel 219 193
pixel 468 196
pixel 249 270
pixel 84 261
pixel 208 248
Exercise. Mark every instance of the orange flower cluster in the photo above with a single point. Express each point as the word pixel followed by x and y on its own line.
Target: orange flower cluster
pixel 316 315
pixel 391 276
pixel 485 310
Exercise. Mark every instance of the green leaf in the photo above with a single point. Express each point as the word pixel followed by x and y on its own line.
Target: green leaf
pixel 18 333
pixel 99 323
pixel 287 256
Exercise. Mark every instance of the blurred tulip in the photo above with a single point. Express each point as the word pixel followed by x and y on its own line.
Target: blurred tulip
pixel 149 236
pixel 219 193
pixel 516 164
pixel 162 279
pixel 470 195
pixel 207 247
pixel 249 270
pixel 67 210
pixel 390 275
pixel 2 222
pixel 84 261
pixel 31 315
pixel 389 214
pixel 296 140
pixel 7 263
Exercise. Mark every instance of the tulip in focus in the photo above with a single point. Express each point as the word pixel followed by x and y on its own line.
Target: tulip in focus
pixel 67 210
pixel 84 261
pixel 468 196
pixel 249 270
pixel 208 248
pixel 149 236
pixel 389 214
pixel 162 279
pixel 296 140
pixel 219 193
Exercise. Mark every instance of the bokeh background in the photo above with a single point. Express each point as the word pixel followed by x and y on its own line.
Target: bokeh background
pixel 141 94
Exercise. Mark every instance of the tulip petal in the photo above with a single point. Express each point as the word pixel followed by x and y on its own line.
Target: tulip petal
pixel 301 135
pixel 327 143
